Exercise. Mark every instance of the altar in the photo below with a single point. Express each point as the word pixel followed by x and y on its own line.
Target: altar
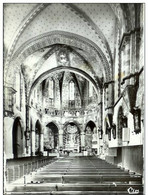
pixel 72 139
pixel 71 148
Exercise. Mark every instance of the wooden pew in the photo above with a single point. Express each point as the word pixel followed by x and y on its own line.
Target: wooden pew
pixel 78 173
pixel 74 187
pixel 81 176
pixel 72 193
pixel 86 178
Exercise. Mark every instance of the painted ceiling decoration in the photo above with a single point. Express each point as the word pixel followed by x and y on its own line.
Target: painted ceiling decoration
pixel 62 38
pixel 95 28
pixel 63 56
pixel 82 38
pixel 74 8
pixel 21 27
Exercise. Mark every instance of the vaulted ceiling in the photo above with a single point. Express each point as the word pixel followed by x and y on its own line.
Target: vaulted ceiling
pixel 33 33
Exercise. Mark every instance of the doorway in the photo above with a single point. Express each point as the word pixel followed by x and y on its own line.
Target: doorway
pixel 17 138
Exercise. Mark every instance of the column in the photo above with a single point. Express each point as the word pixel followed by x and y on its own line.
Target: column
pixel 27 133
pixel 97 136
pixel 33 142
pixel 82 139
pixel 60 138
pixel 132 57
pixel 127 61
pixel 42 142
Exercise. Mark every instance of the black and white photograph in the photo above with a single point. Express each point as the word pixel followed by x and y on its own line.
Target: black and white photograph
pixel 73 98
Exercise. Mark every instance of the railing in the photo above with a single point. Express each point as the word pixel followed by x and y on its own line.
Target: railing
pixel 15 172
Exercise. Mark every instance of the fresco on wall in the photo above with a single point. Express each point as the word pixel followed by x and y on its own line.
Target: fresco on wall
pixel 50 139
pixel 88 138
pixel 73 89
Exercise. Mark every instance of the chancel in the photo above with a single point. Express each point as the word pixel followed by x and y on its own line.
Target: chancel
pixel 73 98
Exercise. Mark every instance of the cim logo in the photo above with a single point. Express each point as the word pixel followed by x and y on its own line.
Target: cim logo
pixel 132 191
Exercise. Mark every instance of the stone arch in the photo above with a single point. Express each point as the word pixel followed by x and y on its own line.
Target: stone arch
pixel 17 138
pixel 90 136
pixel 71 137
pixel 82 15
pixel 72 121
pixel 60 69
pixel 51 137
pixel 38 125
pixel 91 123
pixel 60 37
pixel 19 115
pixel 54 122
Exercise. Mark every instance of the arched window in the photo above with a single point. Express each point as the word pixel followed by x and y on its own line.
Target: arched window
pixel 71 90
pixel 51 92
pixel 51 89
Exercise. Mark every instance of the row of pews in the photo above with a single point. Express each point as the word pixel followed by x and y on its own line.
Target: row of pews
pixel 78 175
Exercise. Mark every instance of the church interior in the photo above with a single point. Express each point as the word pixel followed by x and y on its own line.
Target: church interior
pixel 73 98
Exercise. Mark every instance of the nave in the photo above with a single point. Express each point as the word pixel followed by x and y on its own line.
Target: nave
pixel 78 175
pixel 73 88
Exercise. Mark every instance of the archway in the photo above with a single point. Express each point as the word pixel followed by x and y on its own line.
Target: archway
pixel 91 137
pixel 37 137
pixel 71 138
pixel 17 135
pixel 51 140
pixel 59 69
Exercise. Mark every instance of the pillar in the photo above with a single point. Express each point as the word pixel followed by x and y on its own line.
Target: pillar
pixel 33 142
pixel 98 142
pixel 61 138
pixel 82 139
pixel 27 133
pixel 132 57
pixel 127 61
pixel 41 142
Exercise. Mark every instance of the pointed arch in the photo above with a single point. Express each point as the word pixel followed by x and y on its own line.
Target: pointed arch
pixel 17 136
